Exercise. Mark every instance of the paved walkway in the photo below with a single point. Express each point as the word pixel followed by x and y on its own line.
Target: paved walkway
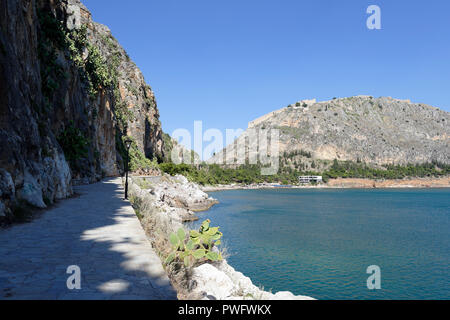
pixel 98 232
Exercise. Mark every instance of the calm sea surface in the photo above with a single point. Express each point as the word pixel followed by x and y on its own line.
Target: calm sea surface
pixel 320 242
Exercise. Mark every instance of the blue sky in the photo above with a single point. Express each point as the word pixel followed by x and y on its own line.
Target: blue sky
pixel 229 62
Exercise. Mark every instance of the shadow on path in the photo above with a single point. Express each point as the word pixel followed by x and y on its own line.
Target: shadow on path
pixel 100 233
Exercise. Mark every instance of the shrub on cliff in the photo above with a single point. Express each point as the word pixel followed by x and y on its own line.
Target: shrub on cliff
pixel 205 174
pixel 195 248
pixel 174 169
pixel 138 161
pixel 74 143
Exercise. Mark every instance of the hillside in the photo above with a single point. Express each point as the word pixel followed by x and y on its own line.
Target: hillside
pixel 69 96
pixel 375 131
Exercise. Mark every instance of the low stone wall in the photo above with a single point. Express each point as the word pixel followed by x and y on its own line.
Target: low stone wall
pixel 161 216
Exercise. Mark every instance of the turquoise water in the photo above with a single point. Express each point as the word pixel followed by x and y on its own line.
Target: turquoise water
pixel 320 242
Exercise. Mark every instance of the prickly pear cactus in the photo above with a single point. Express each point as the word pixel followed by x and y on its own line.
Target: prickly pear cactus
pixel 196 247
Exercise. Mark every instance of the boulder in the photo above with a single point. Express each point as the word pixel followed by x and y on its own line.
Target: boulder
pixel 212 283
pixel 209 281
pixel 286 295
pixel 222 282
pixel 7 188
pixel 31 192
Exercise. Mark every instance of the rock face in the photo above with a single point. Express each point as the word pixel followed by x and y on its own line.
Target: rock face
pixel 373 130
pixel 176 194
pixel 66 88
pixel 179 192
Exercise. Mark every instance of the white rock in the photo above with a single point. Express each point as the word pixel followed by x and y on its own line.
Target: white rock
pixel 244 284
pixel 7 188
pixel 62 176
pixel 212 283
pixel 73 10
pixel 247 290
pixel 56 177
pixel 179 192
pixel 182 179
pixel 225 283
pixel 31 191
pixel 286 295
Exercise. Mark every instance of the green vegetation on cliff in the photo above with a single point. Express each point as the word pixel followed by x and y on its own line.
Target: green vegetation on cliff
pixel 138 161
pixel 51 38
pixel 195 247
pixel 98 73
pixel 348 169
pixel 74 144
pixel 168 146
pixel 246 174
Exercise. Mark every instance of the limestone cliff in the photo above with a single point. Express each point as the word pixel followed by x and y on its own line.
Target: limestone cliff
pixel 361 129
pixel 69 93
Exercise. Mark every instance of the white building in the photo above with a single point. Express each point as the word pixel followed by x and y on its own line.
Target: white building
pixel 309 179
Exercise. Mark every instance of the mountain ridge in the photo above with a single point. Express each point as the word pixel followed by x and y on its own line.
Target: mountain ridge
pixel 377 131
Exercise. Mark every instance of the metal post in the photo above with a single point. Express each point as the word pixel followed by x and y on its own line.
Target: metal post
pixel 126 174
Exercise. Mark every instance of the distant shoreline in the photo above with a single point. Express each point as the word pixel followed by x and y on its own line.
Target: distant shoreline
pixel 345 183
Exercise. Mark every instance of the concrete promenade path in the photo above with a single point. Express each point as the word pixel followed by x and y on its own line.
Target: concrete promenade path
pixel 98 232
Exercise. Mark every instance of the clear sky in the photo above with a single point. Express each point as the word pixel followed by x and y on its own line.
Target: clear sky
pixel 229 62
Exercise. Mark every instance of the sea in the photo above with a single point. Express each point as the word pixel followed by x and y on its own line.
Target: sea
pixel 345 244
